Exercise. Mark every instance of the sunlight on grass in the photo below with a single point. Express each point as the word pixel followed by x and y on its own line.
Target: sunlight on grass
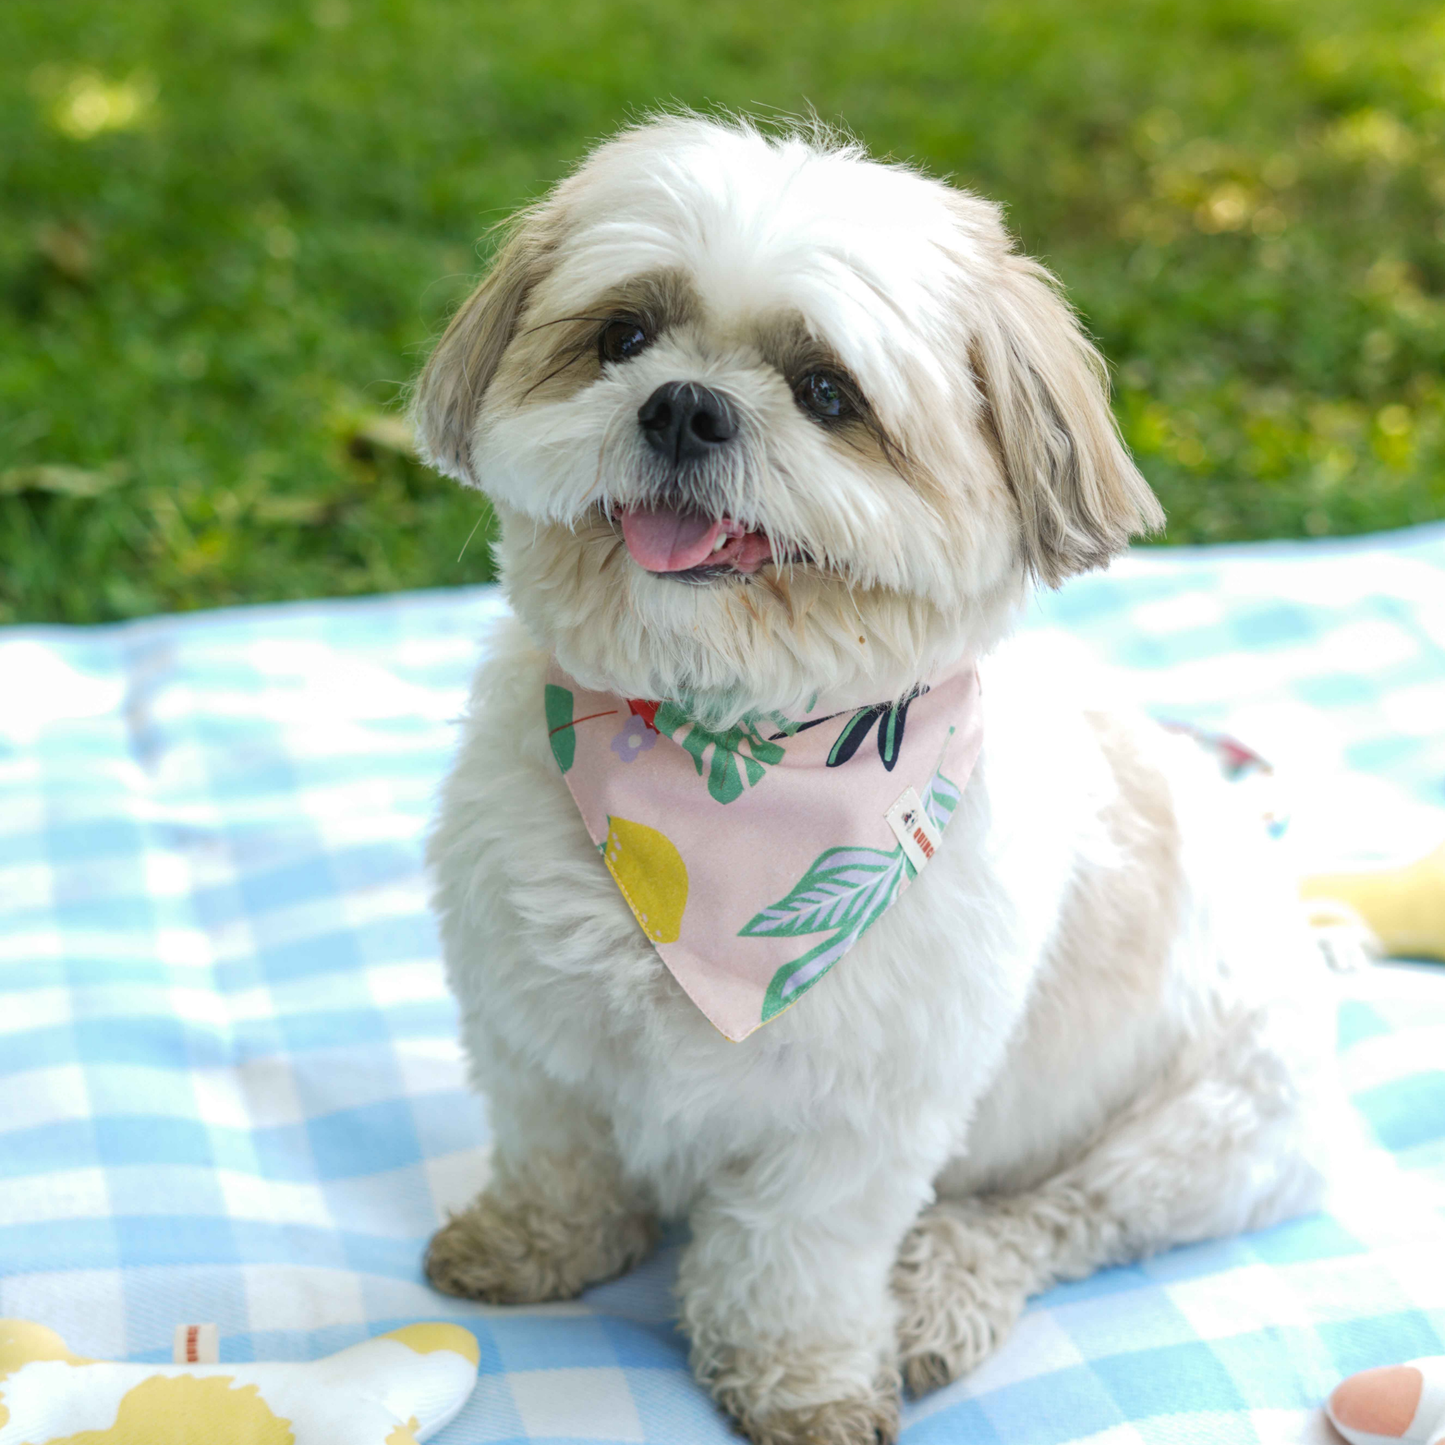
pixel 86 104
pixel 231 233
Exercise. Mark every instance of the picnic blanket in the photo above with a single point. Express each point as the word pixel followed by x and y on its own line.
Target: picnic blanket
pixel 230 1087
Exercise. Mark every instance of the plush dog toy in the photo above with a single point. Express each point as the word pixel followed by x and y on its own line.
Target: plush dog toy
pixel 1394 1402
pixel 397 1389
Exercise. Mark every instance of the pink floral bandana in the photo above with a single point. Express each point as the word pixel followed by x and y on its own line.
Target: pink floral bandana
pixel 755 858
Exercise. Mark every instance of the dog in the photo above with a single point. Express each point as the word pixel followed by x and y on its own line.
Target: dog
pixel 776 431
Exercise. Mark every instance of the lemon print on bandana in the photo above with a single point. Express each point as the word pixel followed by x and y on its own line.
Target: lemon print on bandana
pixel 651 874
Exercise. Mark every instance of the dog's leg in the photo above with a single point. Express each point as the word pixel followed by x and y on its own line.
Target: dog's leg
pixel 785 1296
pixel 556 1215
pixel 1206 1152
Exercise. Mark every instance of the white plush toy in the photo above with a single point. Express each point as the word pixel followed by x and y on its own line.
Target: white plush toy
pixel 397 1389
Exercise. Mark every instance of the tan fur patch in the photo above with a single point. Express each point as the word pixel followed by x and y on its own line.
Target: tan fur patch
pixel 467 357
pixel 787 344
pixel 543 1233
pixel 1079 495
pixel 553 358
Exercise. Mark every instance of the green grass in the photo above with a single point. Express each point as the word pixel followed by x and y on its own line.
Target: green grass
pixel 231 230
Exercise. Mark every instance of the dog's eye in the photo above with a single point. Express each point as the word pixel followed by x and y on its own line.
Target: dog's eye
pixel 622 339
pixel 823 394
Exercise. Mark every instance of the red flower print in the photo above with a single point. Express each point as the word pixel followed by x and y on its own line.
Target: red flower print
pixel 647 711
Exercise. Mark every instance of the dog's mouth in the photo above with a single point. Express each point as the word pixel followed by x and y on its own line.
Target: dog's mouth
pixel 690 546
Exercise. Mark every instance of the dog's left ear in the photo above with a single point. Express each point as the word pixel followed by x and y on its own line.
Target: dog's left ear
pixel 458 373
pixel 1079 495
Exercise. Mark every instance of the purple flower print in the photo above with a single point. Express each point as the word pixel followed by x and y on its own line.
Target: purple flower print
pixel 635 737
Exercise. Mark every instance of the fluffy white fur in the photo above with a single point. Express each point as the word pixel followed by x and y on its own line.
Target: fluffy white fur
pixel 1085 1033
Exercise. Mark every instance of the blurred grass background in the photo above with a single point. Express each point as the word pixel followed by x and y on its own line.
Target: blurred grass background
pixel 230 232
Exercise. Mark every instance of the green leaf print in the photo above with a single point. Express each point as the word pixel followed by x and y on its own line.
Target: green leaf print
pixel 729 764
pixel 794 979
pixel 940 800
pixel 557 703
pixel 843 892
pixel 854 731
pixel 841 886
pixel 891 719
pixel 890 734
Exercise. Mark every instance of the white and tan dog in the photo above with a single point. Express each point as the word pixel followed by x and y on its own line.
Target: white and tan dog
pixel 765 420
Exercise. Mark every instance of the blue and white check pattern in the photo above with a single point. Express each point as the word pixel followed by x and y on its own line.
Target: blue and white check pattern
pixel 230 1087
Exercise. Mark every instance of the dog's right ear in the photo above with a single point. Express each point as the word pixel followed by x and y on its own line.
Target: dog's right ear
pixel 458 373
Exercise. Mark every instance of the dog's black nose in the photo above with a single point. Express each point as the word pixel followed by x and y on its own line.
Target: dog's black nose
pixel 685 421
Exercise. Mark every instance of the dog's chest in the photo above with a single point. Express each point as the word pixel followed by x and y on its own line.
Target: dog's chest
pixel 916 1010
pixel 544 950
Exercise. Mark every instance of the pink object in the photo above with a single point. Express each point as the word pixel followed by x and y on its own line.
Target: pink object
pixel 1392 1403
pixel 754 858
pixel 196 1345
pixel 664 539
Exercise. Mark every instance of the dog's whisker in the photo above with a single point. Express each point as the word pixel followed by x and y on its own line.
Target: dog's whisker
pixel 481 517
pixel 614 423
pixel 563 320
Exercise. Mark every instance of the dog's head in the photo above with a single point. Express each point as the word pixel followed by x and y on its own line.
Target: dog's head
pixel 765 420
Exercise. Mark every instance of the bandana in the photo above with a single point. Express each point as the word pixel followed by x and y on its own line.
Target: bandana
pixel 755 858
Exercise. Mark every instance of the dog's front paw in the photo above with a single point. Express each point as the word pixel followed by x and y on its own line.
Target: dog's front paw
pixel 520 1251
pixel 785 1397
pixel 871 1420
pixel 960 1288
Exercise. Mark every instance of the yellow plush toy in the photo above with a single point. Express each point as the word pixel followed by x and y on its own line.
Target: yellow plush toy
pixel 397 1389
pixel 1403 905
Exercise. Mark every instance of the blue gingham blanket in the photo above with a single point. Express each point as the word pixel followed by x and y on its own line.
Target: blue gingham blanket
pixel 230 1087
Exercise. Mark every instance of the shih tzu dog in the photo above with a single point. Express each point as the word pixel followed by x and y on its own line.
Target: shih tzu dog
pixel 779 891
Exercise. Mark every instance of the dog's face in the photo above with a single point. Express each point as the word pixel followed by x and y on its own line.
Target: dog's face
pixel 765 420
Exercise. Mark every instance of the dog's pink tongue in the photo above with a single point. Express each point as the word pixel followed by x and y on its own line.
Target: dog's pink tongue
pixel 668 541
